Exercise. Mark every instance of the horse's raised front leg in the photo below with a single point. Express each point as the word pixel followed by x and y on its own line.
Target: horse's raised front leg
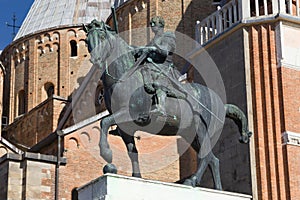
pixel 113 119
pixel 132 153
pixel 105 151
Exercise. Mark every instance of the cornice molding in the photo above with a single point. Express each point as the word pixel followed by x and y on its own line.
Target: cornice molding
pixel 291 138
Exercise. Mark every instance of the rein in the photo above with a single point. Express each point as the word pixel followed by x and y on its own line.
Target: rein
pixel 110 48
pixel 111 76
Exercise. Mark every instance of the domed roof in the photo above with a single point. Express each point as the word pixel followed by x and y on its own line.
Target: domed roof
pixel 52 13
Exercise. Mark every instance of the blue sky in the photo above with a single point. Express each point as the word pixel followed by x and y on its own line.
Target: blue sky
pixel 8 8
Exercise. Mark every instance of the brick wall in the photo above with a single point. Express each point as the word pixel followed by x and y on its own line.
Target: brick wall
pixel 293 163
pixel 275 100
pixel 34 126
pixel 39 59
pixel 179 15
pixel 290 98
pixel 84 163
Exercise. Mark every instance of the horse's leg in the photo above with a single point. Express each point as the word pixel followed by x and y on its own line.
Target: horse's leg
pixel 196 178
pixel 203 142
pixel 105 123
pixel 211 161
pixel 215 169
pixel 205 156
pixel 105 151
pixel 132 152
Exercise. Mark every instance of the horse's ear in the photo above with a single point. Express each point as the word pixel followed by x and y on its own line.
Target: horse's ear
pixel 107 27
pixel 97 23
pixel 85 29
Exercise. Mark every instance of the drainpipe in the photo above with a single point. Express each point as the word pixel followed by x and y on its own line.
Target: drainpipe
pixel 59 135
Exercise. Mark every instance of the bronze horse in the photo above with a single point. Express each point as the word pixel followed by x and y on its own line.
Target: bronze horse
pixel 193 118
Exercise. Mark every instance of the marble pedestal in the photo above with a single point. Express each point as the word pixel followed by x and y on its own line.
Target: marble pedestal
pixel 117 187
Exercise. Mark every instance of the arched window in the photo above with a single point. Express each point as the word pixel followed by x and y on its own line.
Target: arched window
pixel 73 46
pixel 49 88
pixel 21 98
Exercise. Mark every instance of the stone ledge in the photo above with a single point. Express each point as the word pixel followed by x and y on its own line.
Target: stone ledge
pixel 116 187
pixel 31 156
pixel 291 138
pixel 10 156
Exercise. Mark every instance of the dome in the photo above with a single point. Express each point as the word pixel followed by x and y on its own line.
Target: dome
pixel 45 14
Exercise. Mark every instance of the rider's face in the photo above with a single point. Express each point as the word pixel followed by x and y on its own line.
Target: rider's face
pixel 155 26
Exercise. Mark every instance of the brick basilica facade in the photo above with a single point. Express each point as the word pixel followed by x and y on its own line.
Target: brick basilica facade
pixel 48 148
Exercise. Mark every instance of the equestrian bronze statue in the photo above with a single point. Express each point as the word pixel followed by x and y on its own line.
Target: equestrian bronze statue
pixel 142 92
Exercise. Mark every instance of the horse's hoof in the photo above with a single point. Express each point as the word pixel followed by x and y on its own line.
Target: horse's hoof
pixel 137 175
pixel 249 133
pixel 106 155
pixel 110 168
pixel 190 182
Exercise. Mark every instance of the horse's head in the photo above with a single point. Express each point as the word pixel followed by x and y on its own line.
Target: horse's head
pixel 99 40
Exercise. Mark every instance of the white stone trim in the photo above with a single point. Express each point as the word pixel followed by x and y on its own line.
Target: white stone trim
pixel 290 66
pixel 291 138
pixel 279 43
pixel 114 186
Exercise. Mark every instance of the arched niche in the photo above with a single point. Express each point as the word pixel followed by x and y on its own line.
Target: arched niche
pixel 71 33
pixel 55 36
pixel 49 89
pixel 73 48
pixel 21 102
pixel 73 143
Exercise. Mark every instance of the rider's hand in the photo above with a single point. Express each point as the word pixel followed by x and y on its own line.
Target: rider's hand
pixel 149 49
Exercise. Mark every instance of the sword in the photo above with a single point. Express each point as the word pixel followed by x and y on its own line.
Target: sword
pixel 113 12
pixel 135 66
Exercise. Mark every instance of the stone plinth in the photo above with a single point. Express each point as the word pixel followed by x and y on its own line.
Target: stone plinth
pixel 116 187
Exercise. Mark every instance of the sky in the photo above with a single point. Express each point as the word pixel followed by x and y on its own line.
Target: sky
pixel 8 8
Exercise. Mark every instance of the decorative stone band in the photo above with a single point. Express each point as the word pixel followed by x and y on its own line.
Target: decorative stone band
pixel 291 138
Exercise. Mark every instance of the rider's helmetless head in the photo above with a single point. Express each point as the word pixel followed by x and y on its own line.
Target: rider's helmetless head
pixel 157 23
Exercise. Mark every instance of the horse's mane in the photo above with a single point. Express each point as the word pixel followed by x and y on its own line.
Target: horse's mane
pixel 121 54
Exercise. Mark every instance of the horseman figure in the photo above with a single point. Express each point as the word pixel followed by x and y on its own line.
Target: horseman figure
pixel 133 77
pixel 160 77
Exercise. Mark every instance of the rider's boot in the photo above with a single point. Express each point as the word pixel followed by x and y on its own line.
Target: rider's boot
pixel 172 92
pixel 177 94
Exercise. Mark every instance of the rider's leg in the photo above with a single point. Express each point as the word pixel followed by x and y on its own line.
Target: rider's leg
pixel 177 94
pixel 161 104
pixel 147 79
pixel 173 92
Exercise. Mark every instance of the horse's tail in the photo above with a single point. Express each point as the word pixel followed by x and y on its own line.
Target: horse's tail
pixel 238 116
